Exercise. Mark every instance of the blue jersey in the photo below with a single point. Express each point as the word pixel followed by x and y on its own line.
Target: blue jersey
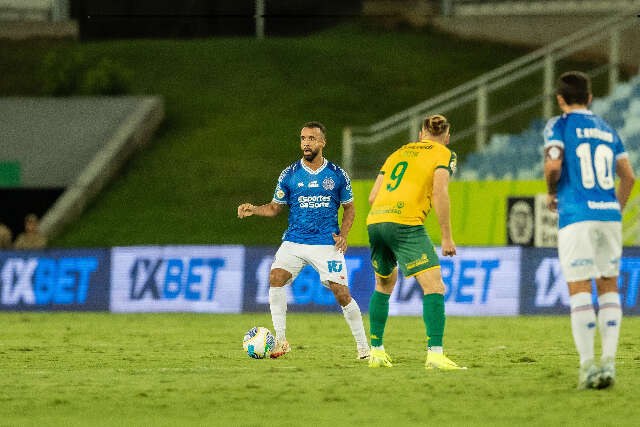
pixel 586 189
pixel 314 198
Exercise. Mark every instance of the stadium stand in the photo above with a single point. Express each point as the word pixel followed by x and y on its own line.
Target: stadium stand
pixel 519 156
pixel 75 143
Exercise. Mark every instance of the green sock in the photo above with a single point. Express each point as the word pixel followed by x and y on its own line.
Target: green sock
pixel 378 313
pixel 433 316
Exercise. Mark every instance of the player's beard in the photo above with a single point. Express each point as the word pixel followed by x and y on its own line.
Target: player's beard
pixel 310 157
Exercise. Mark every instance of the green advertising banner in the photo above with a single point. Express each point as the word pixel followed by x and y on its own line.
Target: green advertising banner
pixel 478 211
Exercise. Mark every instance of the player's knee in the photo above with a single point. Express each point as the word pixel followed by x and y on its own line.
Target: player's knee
pixel 278 277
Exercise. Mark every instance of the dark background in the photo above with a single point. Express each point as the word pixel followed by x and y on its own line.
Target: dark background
pixel 100 19
pixel 16 203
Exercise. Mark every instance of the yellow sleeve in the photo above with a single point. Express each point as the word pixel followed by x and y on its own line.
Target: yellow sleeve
pixel 449 163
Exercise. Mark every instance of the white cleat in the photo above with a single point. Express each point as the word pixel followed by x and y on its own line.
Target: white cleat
pixel 363 353
pixel 607 372
pixel 589 375
pixel 282 348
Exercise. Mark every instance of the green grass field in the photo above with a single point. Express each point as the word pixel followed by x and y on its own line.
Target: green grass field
pixel 189 369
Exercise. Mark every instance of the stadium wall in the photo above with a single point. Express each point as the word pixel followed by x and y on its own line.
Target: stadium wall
pixel 480 281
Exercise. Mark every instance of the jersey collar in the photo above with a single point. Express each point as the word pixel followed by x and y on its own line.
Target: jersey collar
pixel 581 111
pixel 311 171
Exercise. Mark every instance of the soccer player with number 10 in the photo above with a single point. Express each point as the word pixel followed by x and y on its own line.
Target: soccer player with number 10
pixel 582 156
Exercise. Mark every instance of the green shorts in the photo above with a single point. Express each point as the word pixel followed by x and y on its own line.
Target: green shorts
pixel 408 246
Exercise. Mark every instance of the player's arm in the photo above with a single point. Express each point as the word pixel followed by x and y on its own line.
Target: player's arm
pixel 627 179
pixel 376 188
pixel 270 209
pixel 442 207
pixel 348 215
pixel 553 156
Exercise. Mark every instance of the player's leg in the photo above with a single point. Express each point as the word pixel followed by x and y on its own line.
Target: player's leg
pixel 417 258
pixel 332 268
pixel 583 328
pixel 609 320
pixel 285 268
pixel 434 318
pixel 610 310
pixel 378 315
pixel 576 254
pixel 353 317
pixel 384 266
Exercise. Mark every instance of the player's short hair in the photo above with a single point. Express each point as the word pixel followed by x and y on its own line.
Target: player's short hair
pixel 574 87
pixel 436 124
pixel 316 125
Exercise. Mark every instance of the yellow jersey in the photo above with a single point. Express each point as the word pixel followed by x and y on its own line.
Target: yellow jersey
pixel 405 194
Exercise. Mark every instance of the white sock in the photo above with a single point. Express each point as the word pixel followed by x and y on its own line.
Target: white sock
pixel 436 349
pixel 583 324
pixel 377 347
pixel 353 317
pixel 609 319
pixel 278 306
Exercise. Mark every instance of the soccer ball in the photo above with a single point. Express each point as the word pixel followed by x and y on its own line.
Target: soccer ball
pixel 258 342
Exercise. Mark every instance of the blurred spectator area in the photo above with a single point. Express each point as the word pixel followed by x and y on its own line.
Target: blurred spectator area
pixel 509 157
pixel 51 145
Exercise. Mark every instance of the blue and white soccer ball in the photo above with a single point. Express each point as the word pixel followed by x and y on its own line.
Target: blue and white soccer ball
pixel 258 342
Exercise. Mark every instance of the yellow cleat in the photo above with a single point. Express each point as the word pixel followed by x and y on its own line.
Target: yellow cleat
pixel 440 361
pixel 379 358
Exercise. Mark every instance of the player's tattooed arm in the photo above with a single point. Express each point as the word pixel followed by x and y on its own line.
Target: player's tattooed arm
pixel 348 216
pixel 270 209
pixel 442 206
pixel 552 171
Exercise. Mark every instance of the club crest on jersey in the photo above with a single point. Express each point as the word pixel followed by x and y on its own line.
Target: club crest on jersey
pixel 328 184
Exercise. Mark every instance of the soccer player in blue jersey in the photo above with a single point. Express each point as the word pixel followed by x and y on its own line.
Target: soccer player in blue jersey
pixel 582 156
pixel 314 189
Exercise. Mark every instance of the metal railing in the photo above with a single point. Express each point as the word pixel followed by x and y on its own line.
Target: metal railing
pixel 480 89
pixel 536 7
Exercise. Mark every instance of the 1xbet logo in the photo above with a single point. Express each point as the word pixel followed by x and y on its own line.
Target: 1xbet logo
pixel 46 280
pixel 193 279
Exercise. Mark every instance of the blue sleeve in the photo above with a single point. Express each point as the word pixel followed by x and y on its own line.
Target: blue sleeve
pixel 281 193
pixel 346 192
pixel 553 133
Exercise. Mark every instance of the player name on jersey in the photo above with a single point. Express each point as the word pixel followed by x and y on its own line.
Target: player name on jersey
pixel 594 133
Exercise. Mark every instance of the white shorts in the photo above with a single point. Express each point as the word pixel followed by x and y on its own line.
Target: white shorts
pixel 325 259
pixel 590 249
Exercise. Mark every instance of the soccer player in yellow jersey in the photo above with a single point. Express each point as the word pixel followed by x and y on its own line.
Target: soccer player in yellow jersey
pixel 412 179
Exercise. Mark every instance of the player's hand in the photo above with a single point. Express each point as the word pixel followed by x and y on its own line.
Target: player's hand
pixel 552 202
pixel 245 209
pixel 448 247
pixel 341 242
